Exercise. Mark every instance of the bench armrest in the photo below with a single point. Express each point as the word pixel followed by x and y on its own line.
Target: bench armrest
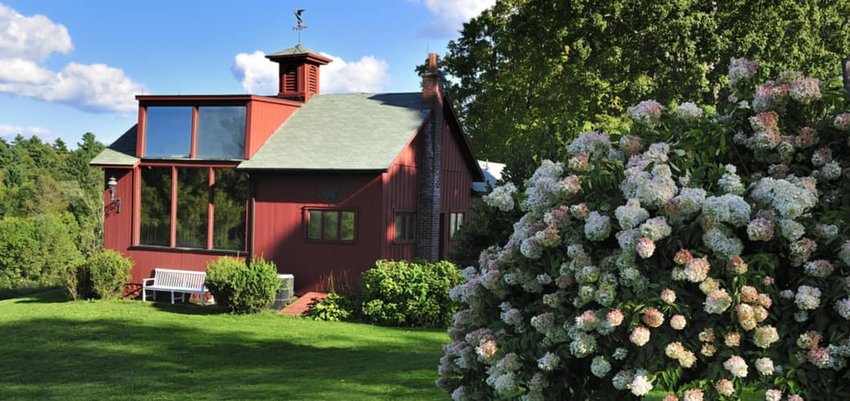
pixel 145 280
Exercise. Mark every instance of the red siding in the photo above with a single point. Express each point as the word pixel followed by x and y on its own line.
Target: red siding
pixel 118 227
pixel 280 229
pixel 456 182
pixel 263 119
pixel 400 188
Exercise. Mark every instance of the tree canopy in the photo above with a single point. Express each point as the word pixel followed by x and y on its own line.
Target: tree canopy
pixel 529 75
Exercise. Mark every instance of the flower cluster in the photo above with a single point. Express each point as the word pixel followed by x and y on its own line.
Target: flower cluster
pixel 501 197
pixel 647 112
pixel 741 69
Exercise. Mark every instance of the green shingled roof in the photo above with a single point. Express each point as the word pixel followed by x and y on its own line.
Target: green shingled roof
pixel 292 51
pixel 119 153
pixel 355 131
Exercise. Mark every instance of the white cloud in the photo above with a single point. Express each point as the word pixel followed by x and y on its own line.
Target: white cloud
pixel 25 42
pixel 10 131
pixel 451 15
pixel 259 75
pixel 365 75
pixel 256 73
pixel 31 38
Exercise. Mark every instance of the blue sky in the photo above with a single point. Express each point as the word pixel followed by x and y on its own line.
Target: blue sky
pixel 68 67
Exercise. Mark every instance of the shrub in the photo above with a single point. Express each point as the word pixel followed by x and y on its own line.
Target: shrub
pixel 335 307
pixel 402 293
pixel 700 254
pixel 242 288
pixel 37 250
pixel 108 272
pixel 102 276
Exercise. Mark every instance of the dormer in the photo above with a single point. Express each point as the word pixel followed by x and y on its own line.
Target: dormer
pixel 298 72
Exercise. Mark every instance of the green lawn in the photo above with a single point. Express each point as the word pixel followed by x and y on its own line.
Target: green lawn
pixel 129 350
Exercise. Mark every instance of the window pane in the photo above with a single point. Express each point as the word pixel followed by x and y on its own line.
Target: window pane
pixel 221 132
pixel 193 198
pixel 156 207
pixel 399 226
pixel 230 197
pixel 457 221
pixel 347 226
pixel 411 225
pixel 168 132
pixel 331 225
pixel 314 228
pixel 405 226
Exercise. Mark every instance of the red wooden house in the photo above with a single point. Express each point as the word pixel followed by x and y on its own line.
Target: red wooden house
pixel 323 185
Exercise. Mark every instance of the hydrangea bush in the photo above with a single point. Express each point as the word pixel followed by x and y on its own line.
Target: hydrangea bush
pixel 698 254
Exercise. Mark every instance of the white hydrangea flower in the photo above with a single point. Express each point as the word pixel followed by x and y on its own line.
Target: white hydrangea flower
pixel 730 182
pixel 791 230
pixel 790 200
pixel 725 245
pixel 807 298
pixel 548 362
pixel 501 197
pixel 765 366
pixel 647 112
pixel 593 143
pixel 736 366
pixel 656 228
pixel 597 227
pixel 600 366
pixel 728 208
pixel 640 385
pixel 688 111
pixel 631 214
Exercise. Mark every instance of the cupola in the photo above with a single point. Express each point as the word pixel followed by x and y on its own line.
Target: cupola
pixel 298 72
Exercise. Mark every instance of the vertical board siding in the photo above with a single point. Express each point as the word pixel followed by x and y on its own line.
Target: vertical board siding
pixel 118 227
pixel 265 120
pixel 456 182
pixel 280 226
pixel 401 186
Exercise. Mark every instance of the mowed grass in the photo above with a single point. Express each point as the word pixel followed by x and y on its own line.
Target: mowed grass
pixel 128 350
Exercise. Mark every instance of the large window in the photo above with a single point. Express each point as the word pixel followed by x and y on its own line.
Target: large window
pixel 455 221
pixel 229 199
pixel 210 208
pixel 193 199
pixel 405 227
pixel 330 225
pixel 156 206
pixel 218 132
pixel 221 133
pixel 168 132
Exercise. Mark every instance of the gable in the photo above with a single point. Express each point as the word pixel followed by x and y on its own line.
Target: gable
pixel 459 136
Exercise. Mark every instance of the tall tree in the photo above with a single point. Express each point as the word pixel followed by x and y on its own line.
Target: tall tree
pixel 528 75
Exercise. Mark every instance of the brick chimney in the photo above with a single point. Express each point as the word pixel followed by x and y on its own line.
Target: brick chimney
pixel 298 72
pixel 430 176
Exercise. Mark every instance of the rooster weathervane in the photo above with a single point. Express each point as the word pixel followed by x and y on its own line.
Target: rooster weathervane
pixel 300 25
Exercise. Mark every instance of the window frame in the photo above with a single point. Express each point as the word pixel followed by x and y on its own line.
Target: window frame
pixel 210 240
pixel 193 143
pixel 322 210
pixel 454 224
pixel 412 216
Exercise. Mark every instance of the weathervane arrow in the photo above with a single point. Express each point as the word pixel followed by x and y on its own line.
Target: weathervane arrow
pixel 300 25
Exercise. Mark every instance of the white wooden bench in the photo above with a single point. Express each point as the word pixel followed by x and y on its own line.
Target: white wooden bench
pixel 180 281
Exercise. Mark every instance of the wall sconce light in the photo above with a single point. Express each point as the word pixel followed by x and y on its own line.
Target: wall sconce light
pixel 113 184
